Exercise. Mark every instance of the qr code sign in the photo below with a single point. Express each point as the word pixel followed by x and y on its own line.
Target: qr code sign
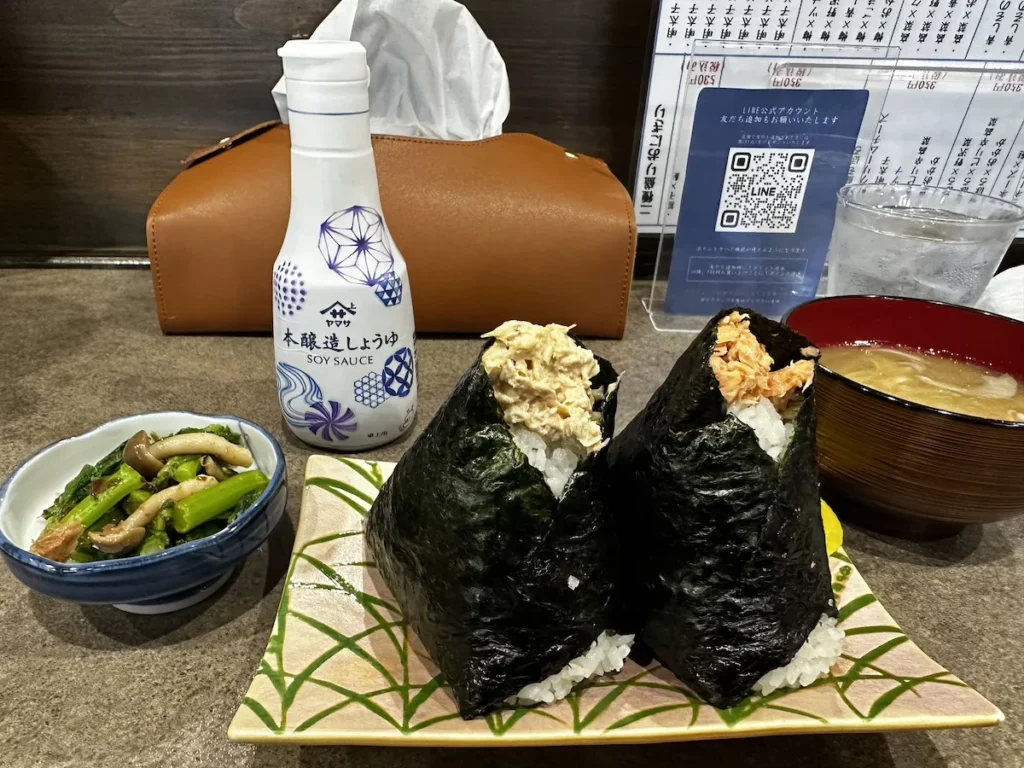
pixel 763 190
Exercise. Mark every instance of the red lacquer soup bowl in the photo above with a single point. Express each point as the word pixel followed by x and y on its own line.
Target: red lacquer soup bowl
pixel 901 467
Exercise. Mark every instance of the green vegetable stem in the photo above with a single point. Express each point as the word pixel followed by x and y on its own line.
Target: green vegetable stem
pixel 112 516
pixel 110 462
pixel 221 498
pixel 110 491
pixel 243 504
pixel 157 539
pixel 73 493
pixel 134 500
pixel 187 470
pixel 174 465
pixel 76 490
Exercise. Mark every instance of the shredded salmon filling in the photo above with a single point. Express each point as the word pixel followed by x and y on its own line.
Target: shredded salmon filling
pixel 743 366
pixel 541 379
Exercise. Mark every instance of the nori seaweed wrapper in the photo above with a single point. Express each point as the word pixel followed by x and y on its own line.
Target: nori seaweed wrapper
pixel 478 552
pixel 728 571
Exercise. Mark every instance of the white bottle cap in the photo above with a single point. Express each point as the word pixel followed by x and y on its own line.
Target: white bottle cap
pixel 328 96
pixel 333 61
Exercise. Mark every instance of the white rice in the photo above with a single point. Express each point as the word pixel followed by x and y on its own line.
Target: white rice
pixel 815 658
pixel 773 434
pixel 556 461
pixel 606 654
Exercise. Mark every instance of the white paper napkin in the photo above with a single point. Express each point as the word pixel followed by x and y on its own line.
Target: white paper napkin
pixel 433 71
pixel 1005 294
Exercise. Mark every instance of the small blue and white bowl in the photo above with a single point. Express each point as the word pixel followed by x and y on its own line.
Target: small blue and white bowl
pixel 167 581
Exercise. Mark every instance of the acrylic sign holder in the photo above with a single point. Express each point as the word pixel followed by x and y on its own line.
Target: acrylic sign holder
pixel 980 150
pixel 769 73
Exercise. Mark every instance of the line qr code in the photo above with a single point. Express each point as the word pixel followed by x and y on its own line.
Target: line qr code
pixel 763 190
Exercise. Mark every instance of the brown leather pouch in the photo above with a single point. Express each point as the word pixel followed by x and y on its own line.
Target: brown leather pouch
pixel 512 227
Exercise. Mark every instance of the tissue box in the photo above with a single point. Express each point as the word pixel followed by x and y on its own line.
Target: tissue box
pixel 512 227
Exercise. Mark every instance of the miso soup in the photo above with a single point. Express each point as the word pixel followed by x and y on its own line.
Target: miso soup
pixel 939 382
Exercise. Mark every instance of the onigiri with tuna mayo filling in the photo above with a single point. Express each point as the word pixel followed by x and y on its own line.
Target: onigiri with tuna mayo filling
pixel 495 532
pixel 717 496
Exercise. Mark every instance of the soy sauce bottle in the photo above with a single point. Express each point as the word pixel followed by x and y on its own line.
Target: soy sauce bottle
pixel 343 320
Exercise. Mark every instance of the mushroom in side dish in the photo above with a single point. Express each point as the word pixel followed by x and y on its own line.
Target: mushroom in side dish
pixel 128 534
pixel 138 457
pixel 202 443
pixel 213 469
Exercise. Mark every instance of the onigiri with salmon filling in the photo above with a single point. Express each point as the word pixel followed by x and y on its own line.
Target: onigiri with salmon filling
pixel 716 483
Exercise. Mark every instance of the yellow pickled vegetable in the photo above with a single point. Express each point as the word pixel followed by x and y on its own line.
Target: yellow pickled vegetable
pixel 833 529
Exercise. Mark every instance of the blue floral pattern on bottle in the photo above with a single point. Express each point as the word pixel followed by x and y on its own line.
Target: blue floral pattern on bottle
pixel 330 422
pixel 398 373
pixel 303 407
pixel 354 243
pixel 289 289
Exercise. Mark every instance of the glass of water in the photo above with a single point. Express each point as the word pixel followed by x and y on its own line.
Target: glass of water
pixel 922 242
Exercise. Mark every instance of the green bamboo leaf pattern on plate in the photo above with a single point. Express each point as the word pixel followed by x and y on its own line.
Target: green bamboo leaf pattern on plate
pixel 343 667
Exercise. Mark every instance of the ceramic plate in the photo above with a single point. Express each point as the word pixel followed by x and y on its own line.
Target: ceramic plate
pixel 342 668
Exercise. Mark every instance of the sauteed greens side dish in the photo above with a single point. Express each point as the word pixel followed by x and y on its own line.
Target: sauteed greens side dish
pixel 149 494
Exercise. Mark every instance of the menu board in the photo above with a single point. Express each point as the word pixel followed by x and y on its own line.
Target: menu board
pixel 947 112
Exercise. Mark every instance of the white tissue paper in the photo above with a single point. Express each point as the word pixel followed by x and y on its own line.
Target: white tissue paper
pixel 1005 294
pixel 433 71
